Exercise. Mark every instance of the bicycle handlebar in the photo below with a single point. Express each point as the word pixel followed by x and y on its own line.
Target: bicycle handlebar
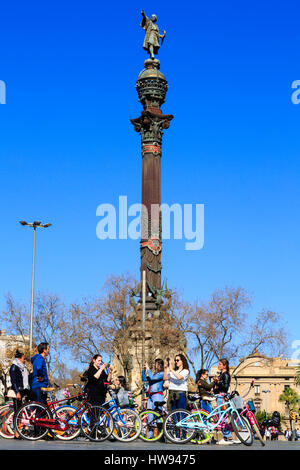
pixel 251 386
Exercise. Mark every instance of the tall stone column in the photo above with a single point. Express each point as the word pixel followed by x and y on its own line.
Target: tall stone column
pixel 160 337
pixel 152 87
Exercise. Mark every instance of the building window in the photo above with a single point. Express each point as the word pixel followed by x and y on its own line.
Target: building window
pixel 257 389
pixel 257 406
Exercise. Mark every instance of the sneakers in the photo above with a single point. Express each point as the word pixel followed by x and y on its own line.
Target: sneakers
pixel 225 442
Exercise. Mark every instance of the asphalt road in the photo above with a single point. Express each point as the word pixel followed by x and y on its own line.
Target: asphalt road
pixel 138 445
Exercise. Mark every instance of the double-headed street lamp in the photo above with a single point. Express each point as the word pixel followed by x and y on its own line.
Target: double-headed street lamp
pixel 34 225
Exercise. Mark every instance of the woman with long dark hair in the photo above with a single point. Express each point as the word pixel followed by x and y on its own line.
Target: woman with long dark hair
pixel 96 380
pixel 223 381
pixel 178 378
pixel 220 389
pixel 205 389
pixel 154 381
pixel 121 392
pixel 19 381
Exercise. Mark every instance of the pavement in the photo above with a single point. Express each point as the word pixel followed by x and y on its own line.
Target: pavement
pixel 139 446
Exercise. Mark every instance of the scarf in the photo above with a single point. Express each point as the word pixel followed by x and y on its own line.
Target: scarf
pixel 24 371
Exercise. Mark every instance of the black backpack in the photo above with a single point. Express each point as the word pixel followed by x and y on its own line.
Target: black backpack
pixel 273 421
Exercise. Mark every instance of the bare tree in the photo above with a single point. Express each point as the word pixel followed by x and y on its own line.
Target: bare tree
pixel 47 323
pixel 100 324
pixel 220 327
pixel 16 317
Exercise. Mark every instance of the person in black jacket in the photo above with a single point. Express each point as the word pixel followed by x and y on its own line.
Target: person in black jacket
pixel 96 380
pixel 222 384
pixel 19 380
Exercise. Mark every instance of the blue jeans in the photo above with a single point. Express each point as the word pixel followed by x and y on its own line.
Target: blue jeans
pixel 226 432
pixel 150 406
pixel 180 403
pixel 39 396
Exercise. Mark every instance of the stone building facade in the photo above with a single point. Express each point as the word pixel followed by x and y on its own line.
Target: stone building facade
pixel 271 375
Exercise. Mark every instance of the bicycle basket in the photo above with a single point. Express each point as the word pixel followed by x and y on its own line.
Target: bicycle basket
pixel 62 394
pixel 59 395
pixel 238 402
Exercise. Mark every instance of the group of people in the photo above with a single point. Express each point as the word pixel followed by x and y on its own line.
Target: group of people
pixel 99 374
pixel 25 384
pixel 177 375
pixel 292 435
pixel 271 433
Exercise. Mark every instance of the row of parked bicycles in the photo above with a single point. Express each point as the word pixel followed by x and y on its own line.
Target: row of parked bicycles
pixel 68 417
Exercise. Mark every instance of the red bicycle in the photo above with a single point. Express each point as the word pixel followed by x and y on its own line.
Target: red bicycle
pixel 34 420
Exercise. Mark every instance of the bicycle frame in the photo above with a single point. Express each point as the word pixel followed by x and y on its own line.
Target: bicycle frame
pixel 217 412
pixel 56 423
pixel 112 407
pixel 249 415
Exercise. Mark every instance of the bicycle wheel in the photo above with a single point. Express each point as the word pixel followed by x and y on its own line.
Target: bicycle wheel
pixel 64 413
pixel 242 428
pixel 7 423
pixel 26 424
pixel 152 426
pixel 128 427
pixel 97 423
pixel 257 433
pixel 201 435
pixel 179 434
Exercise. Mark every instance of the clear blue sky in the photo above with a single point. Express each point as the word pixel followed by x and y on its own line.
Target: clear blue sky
pixel 67 144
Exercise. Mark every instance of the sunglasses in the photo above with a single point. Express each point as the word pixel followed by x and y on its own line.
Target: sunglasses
pixel 177 360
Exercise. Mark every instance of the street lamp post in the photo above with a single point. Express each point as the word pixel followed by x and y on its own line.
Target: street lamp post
pixel 143 322
pixel 34 225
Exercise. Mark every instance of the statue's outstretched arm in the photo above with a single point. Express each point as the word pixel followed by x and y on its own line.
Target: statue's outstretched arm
pixel 144 19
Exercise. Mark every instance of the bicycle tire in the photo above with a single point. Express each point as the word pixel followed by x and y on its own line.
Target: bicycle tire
pixel 129 430
pixel 257 433
pixel 242 428
pixel 175 434
pixel 6 418
pixel 202 436
pixel 73 429
pixel 96 423
pixel 157 425
pixel 25 428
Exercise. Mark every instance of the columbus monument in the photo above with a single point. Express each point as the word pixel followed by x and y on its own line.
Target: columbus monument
pixel 152 331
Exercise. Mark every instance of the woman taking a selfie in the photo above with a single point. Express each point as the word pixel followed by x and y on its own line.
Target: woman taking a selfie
pixel 96 380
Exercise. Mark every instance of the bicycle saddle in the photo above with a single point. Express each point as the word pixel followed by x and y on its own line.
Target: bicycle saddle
pixel 207 398
pixel 159 403
pixel 194 397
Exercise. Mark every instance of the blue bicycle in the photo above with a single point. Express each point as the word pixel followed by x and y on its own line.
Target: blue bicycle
pixel 127 422
pixel 123 424
pixel 180 426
